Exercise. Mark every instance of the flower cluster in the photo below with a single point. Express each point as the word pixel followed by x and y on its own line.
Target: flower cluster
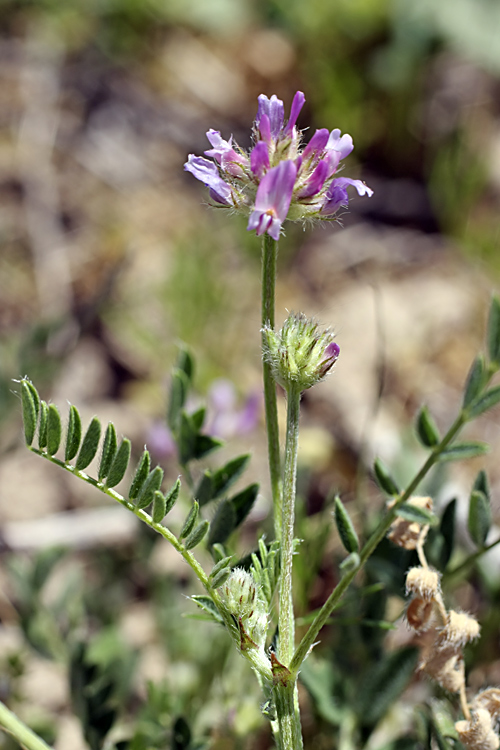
pixel 300 354
pixel 443 635
pixel 278 179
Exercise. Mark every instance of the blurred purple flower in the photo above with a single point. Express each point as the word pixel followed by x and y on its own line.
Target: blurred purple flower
pixel 225 418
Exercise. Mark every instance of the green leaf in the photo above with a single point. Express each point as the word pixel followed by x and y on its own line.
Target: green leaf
pixel 205 603
pixel 30 405
pixel 225 562
pixel 493 334
pixel 205 490
pixel 481 483
pixel 120 463
pixel 384 683
pixel 427 430
pixel 181 734
pixel 350 563
pixel 345 528
pixel 172 495
pixel 187 439
pixel 198 417
pixel 179 387
pixel 185 363
pixel 479 521
pixel 73 434
pixel 205 444
pixel 197 535
pixel 190 520
pixel 447 530
pixel 218 552
pixel 150 486
pixel 90 445
pixel 42 427
pixel 220 578
pixel 416 515
pixel 384 479
pixel 485 402
pixel 140 476
pixel 243 502
pixel 159 507
pixel 475 381
pixel 223 523
pixel 464 450
pixel 224 478
pixel 54 430
pixel 108 453
pixel 318 677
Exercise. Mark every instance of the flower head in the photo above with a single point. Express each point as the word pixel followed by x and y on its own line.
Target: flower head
pixel 300 354
pixel 278 179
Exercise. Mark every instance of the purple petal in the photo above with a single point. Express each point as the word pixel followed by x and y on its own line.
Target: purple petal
pixel 315 181
pixel 297 104
pixel 224 153
pixel 343 145
pixel 259 159
pixel 337 193
pixel 207 172
pixel 273 198
pixel 274 110
pixel 317 144
pixel 358 184
pixel 332 351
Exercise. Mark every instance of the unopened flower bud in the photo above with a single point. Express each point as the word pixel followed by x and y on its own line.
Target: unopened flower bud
pixel 478 734
pixel 241 597
pixel 300 354
pixel 423 582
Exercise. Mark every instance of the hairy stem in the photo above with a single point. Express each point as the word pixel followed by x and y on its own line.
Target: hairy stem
pixel 289 732
pixel 331 603
pixel 23 734
pixel 269 258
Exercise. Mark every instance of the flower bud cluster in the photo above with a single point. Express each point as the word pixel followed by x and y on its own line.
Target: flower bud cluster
pixel 278 178
pixel 444 634
pixel 241 597
pixel 300 354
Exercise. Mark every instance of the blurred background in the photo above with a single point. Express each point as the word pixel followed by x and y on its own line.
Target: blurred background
pixel 109 258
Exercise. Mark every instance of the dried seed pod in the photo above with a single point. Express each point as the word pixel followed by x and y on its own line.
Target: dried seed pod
pixel 406 533
pixel 452 674
pixel 478 734
pixel 419 614
pixel 490 700
pixel 460 629
pixel 423 582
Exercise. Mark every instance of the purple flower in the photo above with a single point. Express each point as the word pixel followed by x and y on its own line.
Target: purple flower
pixel 279 178
pixel 273 200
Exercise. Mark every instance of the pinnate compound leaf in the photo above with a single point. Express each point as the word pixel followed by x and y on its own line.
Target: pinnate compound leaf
pixel 42 427
pixel 109 446
pixel 224 477
pixel 225 562
pixel 140 476
pixel 185 363
pixel 475 381
pixel 205 444
pixel 479 520
pixel 198 417
pixel 90 445
pixel 197 535
pixel 30 405
pixel 73 434
pixel 416 515
pixel 150 486
pixel 487 401
pixel 345 527
pixel 466 449
pixel 172 495
pixel 54 429
pixel 385 683
pixel 427 430
pixel 220 578
pixel 190 520
pixel 159 507
pixel 186 440
pixel 493 333
pixel 120 463
pixel 384 479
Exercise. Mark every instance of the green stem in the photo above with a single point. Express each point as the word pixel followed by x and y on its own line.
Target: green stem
pixel 269 259
pixel 331 603
pixel 23 734
pixel 470 560
pixel 286 619
pixel 289 733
